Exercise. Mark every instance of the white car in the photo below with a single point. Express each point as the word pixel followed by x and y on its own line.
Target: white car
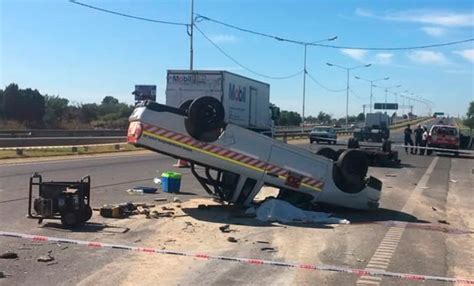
pixel 238 162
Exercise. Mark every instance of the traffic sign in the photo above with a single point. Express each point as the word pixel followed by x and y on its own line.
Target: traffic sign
pixel 438 113
pixel 386 106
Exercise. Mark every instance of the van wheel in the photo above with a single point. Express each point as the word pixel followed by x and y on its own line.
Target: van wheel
pixel 353 143
pixel 205 121
pixel 350 171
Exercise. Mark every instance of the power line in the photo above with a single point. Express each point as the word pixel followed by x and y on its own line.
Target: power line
pixel 358 96
pixel 128 15
pixel 322 85
pixel 282 39
pixel 241 65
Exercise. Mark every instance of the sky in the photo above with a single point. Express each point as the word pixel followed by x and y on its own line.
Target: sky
pixel 64 49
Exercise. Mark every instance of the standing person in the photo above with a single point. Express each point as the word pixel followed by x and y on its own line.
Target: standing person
pixel 418 137
pixel 407 133
pixel 424 140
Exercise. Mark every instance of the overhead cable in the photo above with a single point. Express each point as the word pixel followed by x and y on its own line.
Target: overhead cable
pixel 282 39
pixel 241 65
pixel 128 15
pixel 322 85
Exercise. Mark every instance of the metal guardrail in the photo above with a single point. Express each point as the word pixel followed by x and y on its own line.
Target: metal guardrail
pixel 59 141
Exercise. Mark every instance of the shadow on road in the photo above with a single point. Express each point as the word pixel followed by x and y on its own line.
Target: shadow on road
pixel 225 214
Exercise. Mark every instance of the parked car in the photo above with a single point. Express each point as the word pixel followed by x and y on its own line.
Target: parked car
pixel 323 134
pixel 444 137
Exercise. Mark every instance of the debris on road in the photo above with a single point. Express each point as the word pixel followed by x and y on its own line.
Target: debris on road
pixel 160 199
pixel 391 175
pixel 433 208
pixel 2 275
pixel 284 212
pixel 176 200
pixel 203 207
pixel 165 208
pixel 443 221
pixel 232 239
pixel 453 181
pixel 142 190
pixel 45 258
pixel 268 249
pixel 263 242
pixel 9 255
pixel 226 228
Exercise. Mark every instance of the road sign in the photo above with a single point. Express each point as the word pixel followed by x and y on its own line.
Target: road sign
pixel 438 113
pixel 386 106
pixel 145 92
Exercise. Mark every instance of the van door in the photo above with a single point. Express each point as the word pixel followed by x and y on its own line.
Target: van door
pixel 253 106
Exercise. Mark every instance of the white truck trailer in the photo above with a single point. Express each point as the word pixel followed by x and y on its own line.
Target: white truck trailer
pixel 236 162
pixel 246 101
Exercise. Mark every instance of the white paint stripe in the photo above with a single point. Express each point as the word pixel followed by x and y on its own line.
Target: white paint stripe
pixel 409 206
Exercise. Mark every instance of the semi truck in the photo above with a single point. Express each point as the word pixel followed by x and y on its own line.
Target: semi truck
pixel 246 101
pixel 376 128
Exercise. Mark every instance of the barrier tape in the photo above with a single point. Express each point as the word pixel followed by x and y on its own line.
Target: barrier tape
pixel 460 151
pixel 63 146
pixel 250 261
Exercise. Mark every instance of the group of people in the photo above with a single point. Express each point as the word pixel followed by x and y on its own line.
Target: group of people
pixel 421 139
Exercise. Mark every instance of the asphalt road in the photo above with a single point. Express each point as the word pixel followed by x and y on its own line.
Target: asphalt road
pixel 423 192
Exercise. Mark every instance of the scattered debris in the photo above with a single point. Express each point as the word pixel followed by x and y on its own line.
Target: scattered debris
pixel 261 241
pixel 453 181
pixel 391 175
pixel 282 211
pixel 225 228
pixel 232 239
pixel 25 248
pixel 142 190
pixel 9 255
pixel 178 206
pixel 268 249
pixel 176 200
pixel 160 199
pixel 52 263
pixel 138 240
pixel 167 208
pixel 65 247
pixel 360 260
pixel 433 208
pixel 2 275
pixel 203 207
pixel 443 221
pixel 46 258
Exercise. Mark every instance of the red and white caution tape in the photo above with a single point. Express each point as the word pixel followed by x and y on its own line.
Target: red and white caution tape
pixel 250 261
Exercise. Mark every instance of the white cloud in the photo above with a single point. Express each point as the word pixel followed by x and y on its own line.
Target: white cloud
pixel 224 39
pixel 355 54
pixel 427 57
pixel 383 58
pixel 430 17
pixel 434 31
pixel 467 54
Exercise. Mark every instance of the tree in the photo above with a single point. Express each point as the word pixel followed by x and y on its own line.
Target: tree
pixel 289 118
pixel 25 105
pixel 469 121
pixel 56 108
pixel 361 117
pixel 324 117
pixel 109 100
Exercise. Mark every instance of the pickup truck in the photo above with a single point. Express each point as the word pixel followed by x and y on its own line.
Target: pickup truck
pixel 237 162
pixel 444 137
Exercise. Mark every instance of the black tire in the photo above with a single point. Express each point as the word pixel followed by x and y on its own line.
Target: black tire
pixel 86 214
pixel 70 219
pixel 353 143
pixel 185 105
pixel 353 165
pixel 311 141
pixel 328 153
pixel 205 121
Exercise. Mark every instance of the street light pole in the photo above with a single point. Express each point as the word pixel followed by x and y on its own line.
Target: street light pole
pixel 191 52
pixel 305 72
pixel 347 93
pixel 371 81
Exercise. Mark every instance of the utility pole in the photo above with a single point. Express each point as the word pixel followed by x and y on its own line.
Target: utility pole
pixel 371 81
pixel 191 31
pixel 347 89
pixel 304 87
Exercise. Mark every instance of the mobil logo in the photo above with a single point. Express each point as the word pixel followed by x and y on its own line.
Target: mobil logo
pixel 237 93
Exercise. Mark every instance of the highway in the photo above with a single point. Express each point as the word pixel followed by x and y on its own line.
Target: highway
pixel 430 193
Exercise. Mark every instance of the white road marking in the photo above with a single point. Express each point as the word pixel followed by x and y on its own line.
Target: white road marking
pixel 389 243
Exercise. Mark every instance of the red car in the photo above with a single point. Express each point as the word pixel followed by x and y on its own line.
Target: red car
pixel 444 137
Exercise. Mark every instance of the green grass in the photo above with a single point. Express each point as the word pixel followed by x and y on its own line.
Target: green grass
pixel 32 153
